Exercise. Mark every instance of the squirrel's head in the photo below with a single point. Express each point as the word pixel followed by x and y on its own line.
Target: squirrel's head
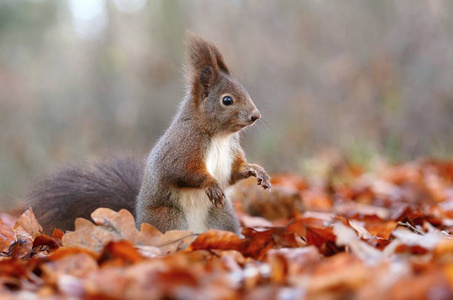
pixel 220 98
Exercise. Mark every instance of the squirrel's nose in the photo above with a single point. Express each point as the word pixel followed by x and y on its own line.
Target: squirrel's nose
pixel 255 116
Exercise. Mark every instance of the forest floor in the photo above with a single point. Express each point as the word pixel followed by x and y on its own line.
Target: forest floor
pixel 344 234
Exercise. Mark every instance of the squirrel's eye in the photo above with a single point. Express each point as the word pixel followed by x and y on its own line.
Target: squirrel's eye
pixel 227 100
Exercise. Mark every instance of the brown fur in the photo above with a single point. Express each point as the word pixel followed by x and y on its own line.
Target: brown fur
pixel 205 64
pixel 177 165
pixel 177 162
pixel 77 191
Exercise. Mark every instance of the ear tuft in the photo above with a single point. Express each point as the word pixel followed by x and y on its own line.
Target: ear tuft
pixel 204 61
pixel 206 75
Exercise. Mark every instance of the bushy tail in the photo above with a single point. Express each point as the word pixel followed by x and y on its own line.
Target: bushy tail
pixel 77 191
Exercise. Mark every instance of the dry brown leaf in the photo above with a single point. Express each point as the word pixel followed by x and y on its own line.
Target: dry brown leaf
pixel 6 237
pixel 119 253
pixel 68 251
pixel 57 235
pixel 432 284
pixel 45 243
pixel 340 273
pixel 89 236
pixel 346 236
pixel 216 239
pixel 316 232
pixel 195 275
pixel 254 244
pixel 393 220
pixel 381 229
pixel 120 223
pixel 25 230
pixel 12 268
pixel 288 263
pixel 428 241
pixel 27 225
pixel 169 241
pixel 78 264
pixel 115 226
pixel 8 219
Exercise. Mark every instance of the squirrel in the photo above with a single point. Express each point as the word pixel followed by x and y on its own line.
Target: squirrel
pixel 182 184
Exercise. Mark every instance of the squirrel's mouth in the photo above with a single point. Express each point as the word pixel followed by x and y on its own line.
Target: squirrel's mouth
pixel 241 126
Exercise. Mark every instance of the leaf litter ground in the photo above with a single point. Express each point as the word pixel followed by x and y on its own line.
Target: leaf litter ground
pixel 347 235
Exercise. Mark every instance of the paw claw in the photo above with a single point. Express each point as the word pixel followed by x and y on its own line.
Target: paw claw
pixel 262 177
pixel 215 195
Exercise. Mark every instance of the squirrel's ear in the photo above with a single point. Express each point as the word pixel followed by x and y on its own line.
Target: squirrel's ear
pixel 204 64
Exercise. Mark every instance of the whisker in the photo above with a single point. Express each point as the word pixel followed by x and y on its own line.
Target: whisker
pixel 262 104
pixel 267 124
pixel 259 130
pixel 256 129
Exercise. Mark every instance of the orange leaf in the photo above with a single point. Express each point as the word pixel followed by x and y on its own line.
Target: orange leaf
pixel 27 225
pixel 119 253
pixel 6 237
pixel 115 226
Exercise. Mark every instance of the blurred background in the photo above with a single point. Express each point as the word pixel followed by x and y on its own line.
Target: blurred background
pixel 87 78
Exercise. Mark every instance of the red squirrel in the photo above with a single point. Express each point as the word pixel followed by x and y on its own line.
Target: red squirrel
pixel 182 184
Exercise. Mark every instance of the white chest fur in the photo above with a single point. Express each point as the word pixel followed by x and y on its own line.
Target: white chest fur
pixel 195 203
pixel 219 159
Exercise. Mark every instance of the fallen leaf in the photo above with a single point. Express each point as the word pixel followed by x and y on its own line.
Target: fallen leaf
pixel 119 253
pixel 346 236
pixel 78 265
pixel 428 285
pixel 27 225
pixel 8 219
pixel 170 241
pixel 287 264
pixel 216 239
pixel 115 226
pixel 340 273
pixel 57 235
pixel 428 241
pixel 6 237
pixel 384 234
pixel 45 243
pixel 316 232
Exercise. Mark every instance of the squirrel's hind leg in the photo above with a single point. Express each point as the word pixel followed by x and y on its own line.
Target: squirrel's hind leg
pixel 164 218
pixel 224 218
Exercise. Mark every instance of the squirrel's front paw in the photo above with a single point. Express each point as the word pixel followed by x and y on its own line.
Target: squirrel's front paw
pixel 216 195
pixel 261 175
